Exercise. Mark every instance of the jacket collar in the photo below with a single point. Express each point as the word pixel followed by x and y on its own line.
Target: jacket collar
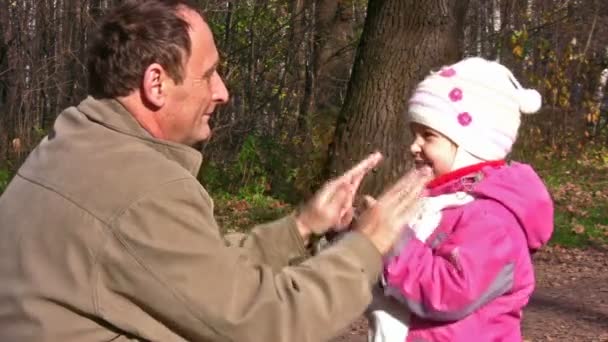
pixel 113 115
pixel 461 179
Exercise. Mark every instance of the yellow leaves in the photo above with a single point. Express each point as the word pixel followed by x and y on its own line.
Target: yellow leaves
pixel 563 101
pixel 518 40
pixel 593 116
pixel 518 51
pixel 519 36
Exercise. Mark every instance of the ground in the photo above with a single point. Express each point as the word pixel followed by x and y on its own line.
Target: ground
pixel 570 302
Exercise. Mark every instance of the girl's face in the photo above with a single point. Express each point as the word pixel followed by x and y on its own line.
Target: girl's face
pixel 432 148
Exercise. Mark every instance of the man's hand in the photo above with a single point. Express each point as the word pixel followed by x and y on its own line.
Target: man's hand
pixel 384 219
pixel 332 205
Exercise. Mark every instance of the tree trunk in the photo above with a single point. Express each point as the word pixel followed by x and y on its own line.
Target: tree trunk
pixel 334 52
pixel 402 41
pixel 308 96
pixel 5 35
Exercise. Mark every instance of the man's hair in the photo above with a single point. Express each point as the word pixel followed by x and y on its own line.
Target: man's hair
pixel 134 35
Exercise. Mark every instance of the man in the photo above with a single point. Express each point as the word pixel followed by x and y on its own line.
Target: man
pixel 106 235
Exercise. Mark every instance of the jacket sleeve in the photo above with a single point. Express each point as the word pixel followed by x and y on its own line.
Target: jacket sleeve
pixel 276 244
pixel 472 267
pixel 165 261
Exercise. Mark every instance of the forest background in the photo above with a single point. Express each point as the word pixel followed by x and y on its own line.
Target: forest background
pixel 317 84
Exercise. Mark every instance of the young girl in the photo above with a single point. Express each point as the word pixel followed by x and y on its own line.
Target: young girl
pixel 463 270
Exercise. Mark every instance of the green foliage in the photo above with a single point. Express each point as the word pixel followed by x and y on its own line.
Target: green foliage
pixel 267 176
pixel 308 173
pixel 262 167
pixel 566 75
pixel 578 182
pixel 240 214
pixel 254 43
pixel 5 178
pixel 251 168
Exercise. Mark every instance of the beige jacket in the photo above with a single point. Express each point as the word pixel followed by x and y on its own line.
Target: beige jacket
pixel 106 235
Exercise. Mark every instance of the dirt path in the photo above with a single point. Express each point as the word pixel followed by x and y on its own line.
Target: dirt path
pixel 570 302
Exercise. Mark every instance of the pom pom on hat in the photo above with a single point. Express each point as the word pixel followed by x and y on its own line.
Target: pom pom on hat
pixel 530 101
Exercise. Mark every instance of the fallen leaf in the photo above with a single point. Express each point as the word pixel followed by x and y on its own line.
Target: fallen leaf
pixel 241 206
pixel 601 227
pixel 578 229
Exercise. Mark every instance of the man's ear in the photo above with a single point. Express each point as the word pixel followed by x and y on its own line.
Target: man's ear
pixel 154 89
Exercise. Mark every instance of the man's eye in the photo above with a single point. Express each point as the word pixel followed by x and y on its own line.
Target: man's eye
pixel 209 74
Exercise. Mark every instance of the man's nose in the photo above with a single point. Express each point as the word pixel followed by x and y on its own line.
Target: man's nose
pixel 220 92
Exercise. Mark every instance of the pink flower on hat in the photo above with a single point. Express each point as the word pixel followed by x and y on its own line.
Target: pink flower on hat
pixel 464 119
pixel 456 94
pixel 447 72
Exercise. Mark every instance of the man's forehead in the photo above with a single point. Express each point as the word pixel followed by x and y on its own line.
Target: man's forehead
pixel 193 18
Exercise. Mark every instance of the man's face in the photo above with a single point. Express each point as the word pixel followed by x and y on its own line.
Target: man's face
pixel 190 104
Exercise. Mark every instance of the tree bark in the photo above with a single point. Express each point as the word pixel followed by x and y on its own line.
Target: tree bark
pixel 5 36
pixel 402 41
pixel 308 96
pixel 334 52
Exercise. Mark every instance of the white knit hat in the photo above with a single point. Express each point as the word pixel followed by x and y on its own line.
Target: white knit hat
pixel 476 103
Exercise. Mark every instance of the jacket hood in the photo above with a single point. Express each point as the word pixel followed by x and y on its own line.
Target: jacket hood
pixel 519 188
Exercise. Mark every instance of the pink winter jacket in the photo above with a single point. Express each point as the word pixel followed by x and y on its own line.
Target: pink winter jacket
pixel 472 278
